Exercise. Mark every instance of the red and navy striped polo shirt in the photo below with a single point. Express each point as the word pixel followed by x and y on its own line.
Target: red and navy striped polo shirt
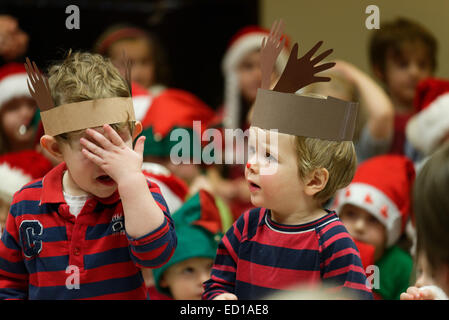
pixel 258 257
pixel 47 253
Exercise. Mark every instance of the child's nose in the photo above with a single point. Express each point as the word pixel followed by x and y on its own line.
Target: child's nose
pixel 359 225
pixel 251 165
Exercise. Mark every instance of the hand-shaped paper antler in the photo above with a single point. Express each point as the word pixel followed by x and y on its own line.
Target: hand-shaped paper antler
pixel 127 67
pixel 269 52
pixel 39 89
pixel 299 73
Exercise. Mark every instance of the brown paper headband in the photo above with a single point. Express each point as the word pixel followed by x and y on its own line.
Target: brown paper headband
pixel 282 109
pixel 72 117
pixel 79 115
pixel 328 119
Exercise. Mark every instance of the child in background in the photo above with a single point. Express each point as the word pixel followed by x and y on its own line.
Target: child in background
pixel 172 136
pixel 199 228
pixel 289 239
pixel 402 53
pixel 374 131
pixel 242 76
pixel 431 212
pixel 13 40
pixel 16 170
pixel 18 110
pixel 374 208
pixel 149 67
pixel 96 211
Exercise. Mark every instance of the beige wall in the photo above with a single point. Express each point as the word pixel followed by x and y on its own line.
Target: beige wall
pixel 341 24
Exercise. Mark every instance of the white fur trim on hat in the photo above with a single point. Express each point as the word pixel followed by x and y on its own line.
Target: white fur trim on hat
pixel 173 201
pixel 232 58
pixel 12 180
pixel 13 86
pixel 141 106
pixel 426 129
pixel 377 203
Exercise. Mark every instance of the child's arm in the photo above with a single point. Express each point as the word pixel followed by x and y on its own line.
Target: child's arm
pixel 341 265
pixel 149 229
pixel 222 282
pixel 13 273
pixel 373 98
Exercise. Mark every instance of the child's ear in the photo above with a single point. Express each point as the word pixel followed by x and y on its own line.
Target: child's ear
pixel 50 144
pixel 316 182
pixel 137 129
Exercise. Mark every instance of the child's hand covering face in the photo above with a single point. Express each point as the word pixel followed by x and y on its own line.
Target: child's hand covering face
pixel 112 154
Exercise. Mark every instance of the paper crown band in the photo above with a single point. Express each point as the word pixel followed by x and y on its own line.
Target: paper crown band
pixel 327 119
pixel 87 114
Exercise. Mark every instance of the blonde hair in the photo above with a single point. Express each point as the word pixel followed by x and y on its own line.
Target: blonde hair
pixel 337 157
pixel 83 76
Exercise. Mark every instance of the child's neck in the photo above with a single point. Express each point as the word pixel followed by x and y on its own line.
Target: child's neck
pixel 69 186
pixel 298 217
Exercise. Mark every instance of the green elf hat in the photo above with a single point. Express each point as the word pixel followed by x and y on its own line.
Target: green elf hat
pixel 175 109
pixel 199 229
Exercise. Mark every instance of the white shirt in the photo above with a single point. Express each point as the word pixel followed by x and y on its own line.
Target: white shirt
pixel 76 203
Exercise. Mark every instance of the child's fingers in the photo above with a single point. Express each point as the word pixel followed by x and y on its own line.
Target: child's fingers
pixel 92 147
pixel 92 157
pixel 427 294
pixel 140 145
pixel 414 291
pixel 101 139
pixel 406 296
pixel 226 296
pixel 113 135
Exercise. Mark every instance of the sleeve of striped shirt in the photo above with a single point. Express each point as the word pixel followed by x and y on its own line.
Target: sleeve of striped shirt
pixel 341 265
pixel 154 249
pixel 225 266
pixel 13 273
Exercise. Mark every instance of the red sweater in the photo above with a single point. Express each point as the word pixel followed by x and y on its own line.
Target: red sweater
pixel 45 251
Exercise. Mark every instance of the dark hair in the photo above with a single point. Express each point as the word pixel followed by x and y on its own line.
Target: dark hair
pixel 392 35
pixel 431 208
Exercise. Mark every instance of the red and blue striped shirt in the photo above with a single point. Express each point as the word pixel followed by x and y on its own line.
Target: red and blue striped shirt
pixel 48 253
pixel 258 257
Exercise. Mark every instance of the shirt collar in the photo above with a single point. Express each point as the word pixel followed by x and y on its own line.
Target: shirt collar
pixel 266 219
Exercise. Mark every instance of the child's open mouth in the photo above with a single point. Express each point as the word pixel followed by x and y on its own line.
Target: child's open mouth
pixel 106 180
pixel 253 187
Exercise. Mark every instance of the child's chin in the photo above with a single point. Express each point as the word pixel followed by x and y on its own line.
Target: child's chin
pixel 105 193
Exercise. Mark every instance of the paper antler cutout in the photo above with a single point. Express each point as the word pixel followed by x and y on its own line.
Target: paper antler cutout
pixel 281 109
pixel 271 47
pixel 127 67
pixel 299 73
pixel 39 88
pixel 78 115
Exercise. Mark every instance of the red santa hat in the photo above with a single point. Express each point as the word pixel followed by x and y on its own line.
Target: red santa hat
pixel 243 42
pixel 172 188
pixel 19 168
pixel 430 123
pixel 174 109
pixel 382 186
pixel 13 82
